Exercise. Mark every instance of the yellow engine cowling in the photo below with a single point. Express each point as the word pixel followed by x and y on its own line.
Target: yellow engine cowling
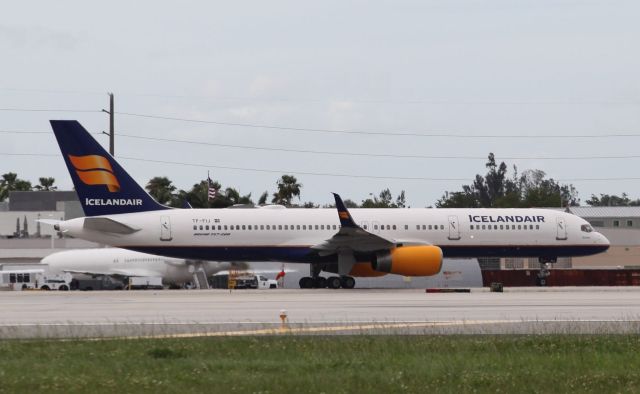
pixel 364 270
pixel 410 261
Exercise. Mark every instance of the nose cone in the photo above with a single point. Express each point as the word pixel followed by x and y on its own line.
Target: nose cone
pixel 602 241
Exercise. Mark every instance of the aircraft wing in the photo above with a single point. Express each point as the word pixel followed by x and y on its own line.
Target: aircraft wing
pixel 349 239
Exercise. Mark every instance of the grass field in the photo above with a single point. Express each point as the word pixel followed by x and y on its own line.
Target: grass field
pixel 355 364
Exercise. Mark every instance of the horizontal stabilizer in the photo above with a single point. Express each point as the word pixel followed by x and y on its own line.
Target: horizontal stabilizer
pixel 107 225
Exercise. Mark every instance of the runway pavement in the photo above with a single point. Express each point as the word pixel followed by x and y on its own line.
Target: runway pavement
pixel 317 312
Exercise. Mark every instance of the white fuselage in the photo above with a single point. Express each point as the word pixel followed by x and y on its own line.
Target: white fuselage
pixel 121 262
pixel 279 234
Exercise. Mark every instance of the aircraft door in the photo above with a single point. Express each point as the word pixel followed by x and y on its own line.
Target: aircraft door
pixel 561 228
pixel 454 228
pixel 165 228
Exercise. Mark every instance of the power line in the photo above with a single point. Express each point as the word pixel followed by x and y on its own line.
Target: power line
pixel 439 134
pixel 379 133
pixel 46 110
pixel 341 175
pixel 356 154
pixel 389 155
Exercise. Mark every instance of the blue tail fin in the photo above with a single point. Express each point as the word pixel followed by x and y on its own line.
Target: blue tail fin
pixel 103 187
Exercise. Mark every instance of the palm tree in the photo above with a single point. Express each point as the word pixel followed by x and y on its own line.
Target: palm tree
pixel 288 188
pixel 46 184
pixel 10 182
pixel 161 188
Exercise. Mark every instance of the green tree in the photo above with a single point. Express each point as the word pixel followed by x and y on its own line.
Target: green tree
pixel 496 190
pixel 10 182
pixel 606 200
pixel 46 184
pixel 198 196
pixel 288 188
pixel 162 189
pixel 385 200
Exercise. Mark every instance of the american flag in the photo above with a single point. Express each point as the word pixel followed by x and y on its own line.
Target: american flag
pixel 212 193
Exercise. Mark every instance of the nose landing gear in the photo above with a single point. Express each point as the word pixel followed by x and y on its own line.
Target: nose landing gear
pixel 545 265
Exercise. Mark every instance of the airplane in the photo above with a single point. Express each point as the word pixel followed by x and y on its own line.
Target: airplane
pixel 124 263
pixel 349 243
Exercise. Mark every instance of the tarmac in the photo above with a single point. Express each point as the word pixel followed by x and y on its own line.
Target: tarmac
pixel 191 313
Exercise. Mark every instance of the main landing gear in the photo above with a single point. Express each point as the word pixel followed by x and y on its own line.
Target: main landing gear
pixel 315 281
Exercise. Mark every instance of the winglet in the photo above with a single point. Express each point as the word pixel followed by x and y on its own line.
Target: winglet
pixel 343 213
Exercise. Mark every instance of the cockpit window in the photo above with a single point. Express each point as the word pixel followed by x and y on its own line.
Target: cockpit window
pixel 586 228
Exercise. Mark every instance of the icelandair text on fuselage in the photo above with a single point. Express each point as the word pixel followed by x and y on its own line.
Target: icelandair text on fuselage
pixel 505 219
pixel 112 201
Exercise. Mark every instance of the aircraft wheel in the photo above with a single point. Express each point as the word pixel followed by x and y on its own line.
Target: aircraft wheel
pixel 45 288
pixel 333 282
pixel 320 282
pixel 306 282
pixel 64 288
pixel 347 282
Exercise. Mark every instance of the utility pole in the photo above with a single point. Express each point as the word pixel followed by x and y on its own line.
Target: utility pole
pixel 111 113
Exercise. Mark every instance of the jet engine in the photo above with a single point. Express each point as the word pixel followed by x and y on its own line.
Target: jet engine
pixel 410 261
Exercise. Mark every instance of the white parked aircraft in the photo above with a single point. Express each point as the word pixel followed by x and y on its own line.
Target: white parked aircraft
pixel 363 242
pixel 125 263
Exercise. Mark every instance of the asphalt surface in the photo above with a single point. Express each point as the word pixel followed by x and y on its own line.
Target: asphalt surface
pixel 99 314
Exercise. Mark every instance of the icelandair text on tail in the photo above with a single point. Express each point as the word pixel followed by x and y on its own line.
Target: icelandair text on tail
pixel 112 201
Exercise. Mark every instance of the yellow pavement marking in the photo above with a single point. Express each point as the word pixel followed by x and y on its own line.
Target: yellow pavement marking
pixel 319 329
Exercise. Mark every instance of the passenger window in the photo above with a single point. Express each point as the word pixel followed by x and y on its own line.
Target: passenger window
pixel 442 227
pixel 334 227
pixel 425 227
pixel 531 227
pixel 219 227
pixel 268 227
pixel 248 226
pixel 262 227
pixel 297 227
pixel 537 227
pixel 495 226
pixel 501 227
pixel 406 227
pixel 286 227
pixel 200 227
pixel 519 227
pixel 195 227
pixel 225 226
pixel 317 227
pixel 483 226
pixel 206 227
pixel 471 227
pixel 280 227
pixel 375 226
pixel 364 227
pixel 322 227
pixel 304 226
pixel 243 227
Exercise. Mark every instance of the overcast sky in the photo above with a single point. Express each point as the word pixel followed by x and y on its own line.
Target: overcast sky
pixel 509 68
